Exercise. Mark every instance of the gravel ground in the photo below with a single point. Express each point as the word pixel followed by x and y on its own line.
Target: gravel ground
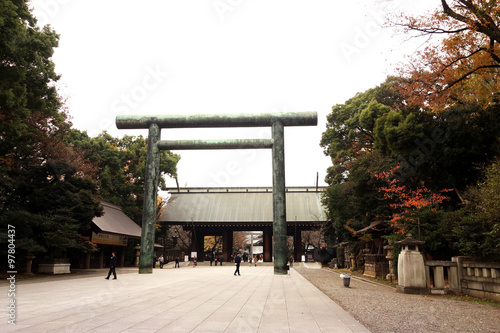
pixel 381 309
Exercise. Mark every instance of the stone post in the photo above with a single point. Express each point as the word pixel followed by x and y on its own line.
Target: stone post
pixel 29 261
pixel 86 264
pixel 411 268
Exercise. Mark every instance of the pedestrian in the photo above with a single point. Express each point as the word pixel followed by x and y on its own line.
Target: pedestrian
pixel 250 261
pixel 291 261
pixel 255 261
pixel 177 262
pixel 237 262
pixel 112 266
pixel 161 260
pixel 194 262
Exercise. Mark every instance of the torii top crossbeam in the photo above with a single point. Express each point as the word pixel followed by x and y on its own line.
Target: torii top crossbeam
pixel 218 120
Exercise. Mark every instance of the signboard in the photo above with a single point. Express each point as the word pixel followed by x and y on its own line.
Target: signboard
pixel 109 239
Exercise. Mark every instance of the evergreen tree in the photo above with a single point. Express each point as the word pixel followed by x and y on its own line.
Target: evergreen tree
pixel 46 191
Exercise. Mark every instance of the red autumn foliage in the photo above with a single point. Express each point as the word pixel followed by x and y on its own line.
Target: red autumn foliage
pixel 406 203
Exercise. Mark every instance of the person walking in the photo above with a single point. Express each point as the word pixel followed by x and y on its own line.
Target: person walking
pixel 255 259
pixel 161 261
pixel 112 266
pixel 237 262
pixel 177 263
pixel 291 261
pixel 250 261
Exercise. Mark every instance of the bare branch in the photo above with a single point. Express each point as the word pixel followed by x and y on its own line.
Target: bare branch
pixel 485 25
pixel 469 73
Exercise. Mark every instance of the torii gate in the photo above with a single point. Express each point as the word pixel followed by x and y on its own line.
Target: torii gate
pixel 154 123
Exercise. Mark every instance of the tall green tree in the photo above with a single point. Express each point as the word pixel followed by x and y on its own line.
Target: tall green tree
pixel 442 150
pixel 350 142
pixel 120 167
pixel 477 224
pixel 46 190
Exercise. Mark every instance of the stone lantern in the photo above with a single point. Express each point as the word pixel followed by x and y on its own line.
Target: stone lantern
pixel 411 267
pixel 391 276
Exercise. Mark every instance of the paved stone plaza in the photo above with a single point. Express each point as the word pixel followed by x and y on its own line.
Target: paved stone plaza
pixel 201 299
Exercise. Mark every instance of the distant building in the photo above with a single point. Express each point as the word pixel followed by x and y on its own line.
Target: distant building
pixel 222 211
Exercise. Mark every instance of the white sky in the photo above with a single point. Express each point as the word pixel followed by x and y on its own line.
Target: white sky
pixel 222 56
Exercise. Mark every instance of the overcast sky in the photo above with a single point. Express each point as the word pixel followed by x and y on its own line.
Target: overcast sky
pixel 222 56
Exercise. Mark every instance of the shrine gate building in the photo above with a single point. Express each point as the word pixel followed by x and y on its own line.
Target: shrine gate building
pixel 222 211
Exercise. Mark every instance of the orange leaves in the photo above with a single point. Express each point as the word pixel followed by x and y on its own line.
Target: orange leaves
pixel 461 63
pixel 405 202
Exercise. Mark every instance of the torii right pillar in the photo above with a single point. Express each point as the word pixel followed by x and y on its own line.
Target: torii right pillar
pixel 279 199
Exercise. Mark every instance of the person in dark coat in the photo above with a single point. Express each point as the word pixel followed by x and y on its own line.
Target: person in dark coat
pixel 177 262
pixel 112 266
pixel 237 262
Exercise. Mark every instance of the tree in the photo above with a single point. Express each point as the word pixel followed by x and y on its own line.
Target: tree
pixel 349 133
pixel 60 208
pixel 46 190
pixel 180 237
pixel 440 150
pixel 240 241
pixel 120 167
pixel 212 244
pixel 463 65
pixel 375 130
pixel 350 141
pixel 407 203
pixel 478 223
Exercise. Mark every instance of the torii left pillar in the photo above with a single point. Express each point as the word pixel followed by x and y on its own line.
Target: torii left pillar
pixel 277 121
pixel 149 204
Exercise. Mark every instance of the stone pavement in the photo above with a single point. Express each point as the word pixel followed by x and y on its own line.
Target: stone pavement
pixel 200 299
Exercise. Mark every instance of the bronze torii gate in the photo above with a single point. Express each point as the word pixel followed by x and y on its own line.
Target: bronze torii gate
pixel 155 123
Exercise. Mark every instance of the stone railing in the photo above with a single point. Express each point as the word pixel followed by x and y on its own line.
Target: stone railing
pixel 463 275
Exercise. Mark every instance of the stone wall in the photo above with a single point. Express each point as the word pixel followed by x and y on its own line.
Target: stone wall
pixel 466 276
pixel 481 279
pixel 54 268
